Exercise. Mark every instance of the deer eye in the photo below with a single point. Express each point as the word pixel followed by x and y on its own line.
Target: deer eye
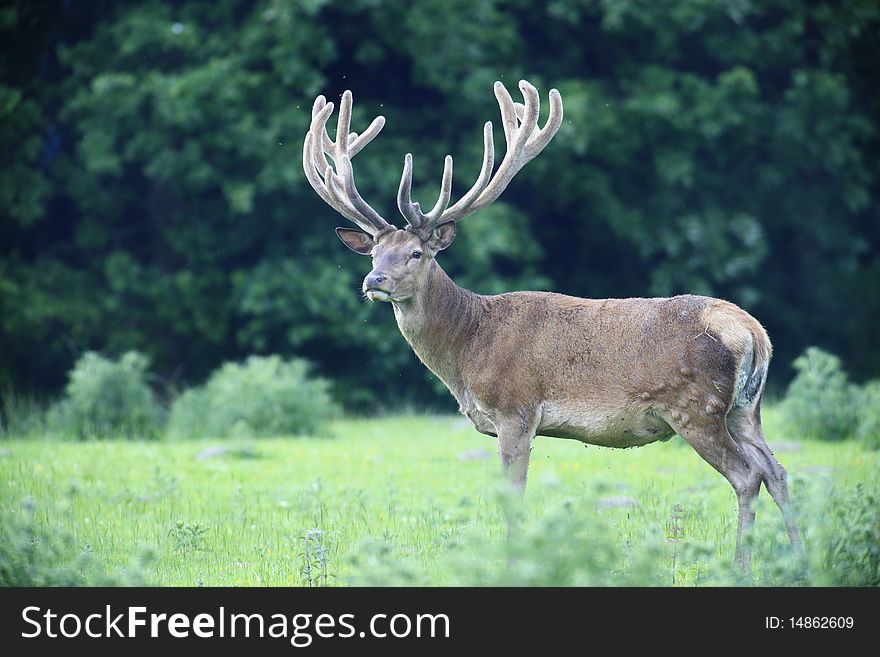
pixel 416 255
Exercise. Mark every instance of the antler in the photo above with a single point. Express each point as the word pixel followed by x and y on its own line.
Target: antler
pixel 524 141
pixel 338 188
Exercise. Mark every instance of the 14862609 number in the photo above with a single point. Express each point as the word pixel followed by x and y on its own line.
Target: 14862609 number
pixel 821 622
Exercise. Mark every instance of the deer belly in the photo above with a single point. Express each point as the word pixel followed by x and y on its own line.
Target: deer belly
pixel 605 427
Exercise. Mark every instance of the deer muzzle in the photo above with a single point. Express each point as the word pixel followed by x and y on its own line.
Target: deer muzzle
pixel 376 287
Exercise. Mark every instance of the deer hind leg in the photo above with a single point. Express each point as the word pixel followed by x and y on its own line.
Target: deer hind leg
pixel 711 439
pixel 745 426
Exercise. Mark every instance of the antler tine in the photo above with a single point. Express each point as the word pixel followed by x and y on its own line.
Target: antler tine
pixel 542 136
pixel 525 139
pixel 516 136
pixel 412 212
pixel 440 213
pixel 319 104
pixel 529 122
pixel 338 188
pixel 445 191
pixel 357 142
pixel 508 111
pixel 458 210
pixel 343 123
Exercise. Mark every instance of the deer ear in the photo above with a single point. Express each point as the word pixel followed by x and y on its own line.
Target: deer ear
pixel 442 236
pixel 356 240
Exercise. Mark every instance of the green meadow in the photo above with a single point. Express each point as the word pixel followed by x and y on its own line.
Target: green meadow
pixel 419 500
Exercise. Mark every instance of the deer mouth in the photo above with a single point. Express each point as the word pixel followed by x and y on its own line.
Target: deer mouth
pixel 375 294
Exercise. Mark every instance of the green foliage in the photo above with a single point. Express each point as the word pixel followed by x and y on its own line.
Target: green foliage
pixel 264 396
pixel 869 415
pixel 568 546
pixel 849 539
pixel 315 558
pixel 32 554
pixel 410 501
pixel 21 416
pixel 821 403
pixel 574 546
pixel 152 195
pixel 30 557
pixel 188 536
pixel 107 398
pixel 23 186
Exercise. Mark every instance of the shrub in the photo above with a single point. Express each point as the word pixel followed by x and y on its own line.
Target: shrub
pixel 849 539
pixel 263 396
pixel 190 415
pixel 820 402
pixel 572 546
pixel 106 398
pixel 29 556
pixel 869 415
pixel 569 546
pixel 33 555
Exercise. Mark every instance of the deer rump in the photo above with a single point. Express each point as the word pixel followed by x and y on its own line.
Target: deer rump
pixel 610 372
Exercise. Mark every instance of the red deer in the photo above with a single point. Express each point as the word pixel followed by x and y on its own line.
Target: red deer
pixel 611 372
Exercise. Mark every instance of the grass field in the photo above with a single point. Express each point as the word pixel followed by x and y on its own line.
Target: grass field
pixel 407 500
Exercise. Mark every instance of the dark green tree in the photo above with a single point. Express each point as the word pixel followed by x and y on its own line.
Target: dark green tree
pixel 152 195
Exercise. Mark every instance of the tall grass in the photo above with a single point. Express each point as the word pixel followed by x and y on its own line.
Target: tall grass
pixel 33 553
pixel 21 416
pixel 417 500
pixel 868 431
pixel 573 545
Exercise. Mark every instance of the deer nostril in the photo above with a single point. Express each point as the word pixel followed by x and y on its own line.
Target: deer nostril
pixel 374 280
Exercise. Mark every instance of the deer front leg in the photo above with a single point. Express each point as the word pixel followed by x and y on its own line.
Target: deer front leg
pixel 515 436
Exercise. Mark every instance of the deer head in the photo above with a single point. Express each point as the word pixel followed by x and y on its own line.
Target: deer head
pixel 402 257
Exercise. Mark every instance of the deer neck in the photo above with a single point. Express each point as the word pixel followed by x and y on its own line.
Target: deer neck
pixel 440 322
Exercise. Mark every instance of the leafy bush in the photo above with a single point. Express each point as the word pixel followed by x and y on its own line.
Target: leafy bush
pixel 106 398
pixel 869 415
pixel 569 546
pixel 849 539
pixel 263 396
pixel 32 555
pixel 820 402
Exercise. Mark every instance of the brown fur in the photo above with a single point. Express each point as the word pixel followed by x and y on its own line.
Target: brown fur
pixel 612 372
